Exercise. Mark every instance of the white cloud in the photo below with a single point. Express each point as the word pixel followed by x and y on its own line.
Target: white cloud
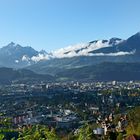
pixel 16 61
pixel 40 57
pixel 79 49
pixel 121 53
pixel 25 58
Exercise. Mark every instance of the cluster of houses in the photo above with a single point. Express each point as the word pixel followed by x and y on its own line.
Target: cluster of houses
pixel 74 86
pixel 58 119
pixel 108 125
pixel 17 102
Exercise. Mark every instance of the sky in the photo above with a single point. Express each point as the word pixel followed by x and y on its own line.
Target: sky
pixel 54 24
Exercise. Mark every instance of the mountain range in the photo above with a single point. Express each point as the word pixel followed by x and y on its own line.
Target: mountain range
pixel 113 50
pixel 87 61
pixel 15 56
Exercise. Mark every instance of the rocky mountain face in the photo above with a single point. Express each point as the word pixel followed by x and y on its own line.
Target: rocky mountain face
pixel 15 56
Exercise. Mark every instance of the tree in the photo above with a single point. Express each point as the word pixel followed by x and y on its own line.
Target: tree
pixel 133 121
pixel 120 136
pixel 38 132
pixel 85 133
pixel 1 136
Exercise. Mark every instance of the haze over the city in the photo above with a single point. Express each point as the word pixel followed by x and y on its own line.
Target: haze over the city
pixel 53 24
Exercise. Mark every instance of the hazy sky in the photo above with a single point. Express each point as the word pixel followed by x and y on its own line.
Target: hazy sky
pixel 52 24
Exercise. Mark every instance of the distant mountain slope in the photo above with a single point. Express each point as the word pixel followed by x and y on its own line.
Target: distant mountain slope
pixel 57 65
pixel 99 72
pixel 95 52
pixel 7 75
pixel 102 72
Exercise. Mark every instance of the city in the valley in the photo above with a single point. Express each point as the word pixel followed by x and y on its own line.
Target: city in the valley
pixel 68 107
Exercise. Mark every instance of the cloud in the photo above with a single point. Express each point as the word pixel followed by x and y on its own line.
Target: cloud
pixel 82 49
pixel 85 49
pixel 40 57
pixel 25 58
pixel 121 53
pixel 16 61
